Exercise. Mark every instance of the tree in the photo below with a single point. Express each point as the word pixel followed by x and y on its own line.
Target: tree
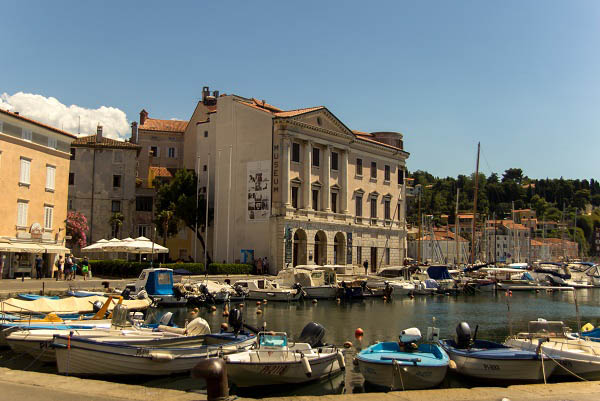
pixel 166 223
pixel 179 196
pixel 77 227
pixel 596 200
pixel 581 198
pixel 513 174
pixel 116 222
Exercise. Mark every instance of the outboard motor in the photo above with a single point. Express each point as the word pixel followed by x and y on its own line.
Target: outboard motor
pixel 312 334
pixel 97 306
pixel 235 320
pixel 410 335
pixel 167 319
pixel 178 292
pixel 126 294
pixel 298 287
pixel 463 335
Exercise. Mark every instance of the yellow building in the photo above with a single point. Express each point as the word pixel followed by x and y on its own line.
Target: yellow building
pixel 34 174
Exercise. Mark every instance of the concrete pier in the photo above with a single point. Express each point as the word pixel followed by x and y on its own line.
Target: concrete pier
pixel 17 385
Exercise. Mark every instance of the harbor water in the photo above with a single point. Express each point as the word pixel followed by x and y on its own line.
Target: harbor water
pixel 495 313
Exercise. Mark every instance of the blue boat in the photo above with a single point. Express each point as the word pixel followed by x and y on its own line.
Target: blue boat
pixel 593 335
pixel 493 361
pixel 158 284
pixel 33 297
pixel 403 365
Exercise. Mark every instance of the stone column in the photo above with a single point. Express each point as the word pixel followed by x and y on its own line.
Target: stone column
pixel 327 178
pixel 344 182
pixel 307 170
pixel 285 171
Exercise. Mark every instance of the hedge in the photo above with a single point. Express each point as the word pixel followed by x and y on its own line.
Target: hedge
pixel 124 269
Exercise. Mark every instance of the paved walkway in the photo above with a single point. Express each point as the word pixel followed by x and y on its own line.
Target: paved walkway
pixel 16 385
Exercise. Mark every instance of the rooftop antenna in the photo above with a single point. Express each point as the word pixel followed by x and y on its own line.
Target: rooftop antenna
pixel 79 129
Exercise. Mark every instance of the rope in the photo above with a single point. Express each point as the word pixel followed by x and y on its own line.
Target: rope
pixel 36 358
pixel 571 372
pixel 543 367
pixel 396 367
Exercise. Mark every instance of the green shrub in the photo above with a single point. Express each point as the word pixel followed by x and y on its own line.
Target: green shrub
pixel 124 269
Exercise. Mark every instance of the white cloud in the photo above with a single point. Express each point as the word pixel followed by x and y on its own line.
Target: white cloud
pixel 50 111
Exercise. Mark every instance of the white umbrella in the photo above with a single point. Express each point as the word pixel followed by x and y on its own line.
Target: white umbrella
pixel 119 245
pixel 95 247
pixel 144 245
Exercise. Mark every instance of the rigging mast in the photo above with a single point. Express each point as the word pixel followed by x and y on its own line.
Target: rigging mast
pixel 475 206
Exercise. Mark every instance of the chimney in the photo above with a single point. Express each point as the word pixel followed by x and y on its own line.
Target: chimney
pixel 205 93
pixel 143 116
pixel 16 112
pixel 216 94
pixel 133 132
pixel 99 133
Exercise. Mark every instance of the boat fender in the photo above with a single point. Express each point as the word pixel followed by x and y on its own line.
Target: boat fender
pixel 452 365
pixel 341 361
pixel 306 366
pixel 161 356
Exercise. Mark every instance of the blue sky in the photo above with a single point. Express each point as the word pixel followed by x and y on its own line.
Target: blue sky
pixel 522 77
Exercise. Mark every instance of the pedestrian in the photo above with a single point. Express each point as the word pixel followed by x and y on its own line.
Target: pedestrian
pixel 2 262
pixel 60 263
pixel 85 266
pixel 39 262
pixel 366 266
pixel 266 265
pixel 68 266
pixel 74 268
pixel 259 266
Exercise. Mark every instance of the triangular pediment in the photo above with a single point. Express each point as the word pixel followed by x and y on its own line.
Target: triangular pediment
pixel 321 118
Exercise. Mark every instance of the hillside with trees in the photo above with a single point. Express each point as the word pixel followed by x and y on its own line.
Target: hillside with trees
pixel 555 199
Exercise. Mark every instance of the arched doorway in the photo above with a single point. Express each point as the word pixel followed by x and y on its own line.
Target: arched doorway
pixel 299 251
pixel 339 249
pixel 320 250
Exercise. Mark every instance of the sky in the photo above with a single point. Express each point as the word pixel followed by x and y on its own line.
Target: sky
pixel 521 77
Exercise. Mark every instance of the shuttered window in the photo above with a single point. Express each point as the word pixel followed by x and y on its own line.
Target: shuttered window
pixel 50 177
pixel 25 171
pixel 22 208
pixel 48 212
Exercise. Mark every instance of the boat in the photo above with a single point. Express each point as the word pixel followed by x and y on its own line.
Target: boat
pixel 70 305
pixel 83 293
pixel 275 361
pixel 404 365
pixel 493 361
pixel 259 289
pixel 318 282
pixel 114 356
pixel 573 356
pixel 158 284
pixel 401 287
pixel 33 297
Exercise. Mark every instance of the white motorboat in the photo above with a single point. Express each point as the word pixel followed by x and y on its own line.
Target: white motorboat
pixel 259 289
pixel 493 361
pixel 66 305
pixel 572 355
pixel 274 361
pixel 318 282
pixel 401 287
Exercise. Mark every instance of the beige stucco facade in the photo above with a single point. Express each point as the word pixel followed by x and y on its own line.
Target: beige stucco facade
pixel 34 171
pixel 248 146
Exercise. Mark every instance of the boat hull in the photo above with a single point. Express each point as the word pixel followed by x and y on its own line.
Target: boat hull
pixel 402 377
pixel 272 295
pixel 502 370
pixel 321 292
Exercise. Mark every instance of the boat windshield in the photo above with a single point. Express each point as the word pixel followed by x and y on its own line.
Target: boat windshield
pixel 269 340
pixel 546 328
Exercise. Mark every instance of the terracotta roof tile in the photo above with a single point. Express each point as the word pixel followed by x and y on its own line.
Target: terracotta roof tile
pixel 153 124
pixel 265 105
pixel 29 120
pixel 90 142
pixel 292 113
pixel 160 172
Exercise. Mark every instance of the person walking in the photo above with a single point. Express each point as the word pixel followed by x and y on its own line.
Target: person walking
pixel 68 267
pixel 266 265
pixel 259 266
pixel 73 268
pixel 85 267
pixel 366 266
pixel 60 264
pixel 39 263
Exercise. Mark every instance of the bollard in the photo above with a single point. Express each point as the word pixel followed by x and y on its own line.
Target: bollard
pixel 214 371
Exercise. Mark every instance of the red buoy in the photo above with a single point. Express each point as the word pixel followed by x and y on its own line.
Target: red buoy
pixel 358 332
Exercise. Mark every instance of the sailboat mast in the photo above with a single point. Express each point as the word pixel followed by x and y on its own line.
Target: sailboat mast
pixel 457 228
pixel 475 206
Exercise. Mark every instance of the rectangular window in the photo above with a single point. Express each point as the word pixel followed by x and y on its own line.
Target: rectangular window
pixel 116 181
pixel 72 153
pixel 153 152
pixel 373 170
pixel 143 203
pixel 374 208
pixel 359 211
pixel 206 134
pixel 144 230
pixel 400 176
pixel 387 256
pixel 334 202
pixel 359 167
pixel 315 199
pixel 117 156
pixel 359 255
pixel 296 152
pixel 71 178
pixel 70 204
pixel 334 161
pixel 386 175
pixel 48 212
pixel 50 177
pixel 25 171
pixel 52 142
pixel 295 197
pixel 204 168
pixel 22 208
pixel 172 153
pixel 386 209
pixel 26 134
pixel 116 206
pixel 316 157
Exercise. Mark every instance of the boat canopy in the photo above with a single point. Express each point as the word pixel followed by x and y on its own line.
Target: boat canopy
pixel 439 273
pixel 160 281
